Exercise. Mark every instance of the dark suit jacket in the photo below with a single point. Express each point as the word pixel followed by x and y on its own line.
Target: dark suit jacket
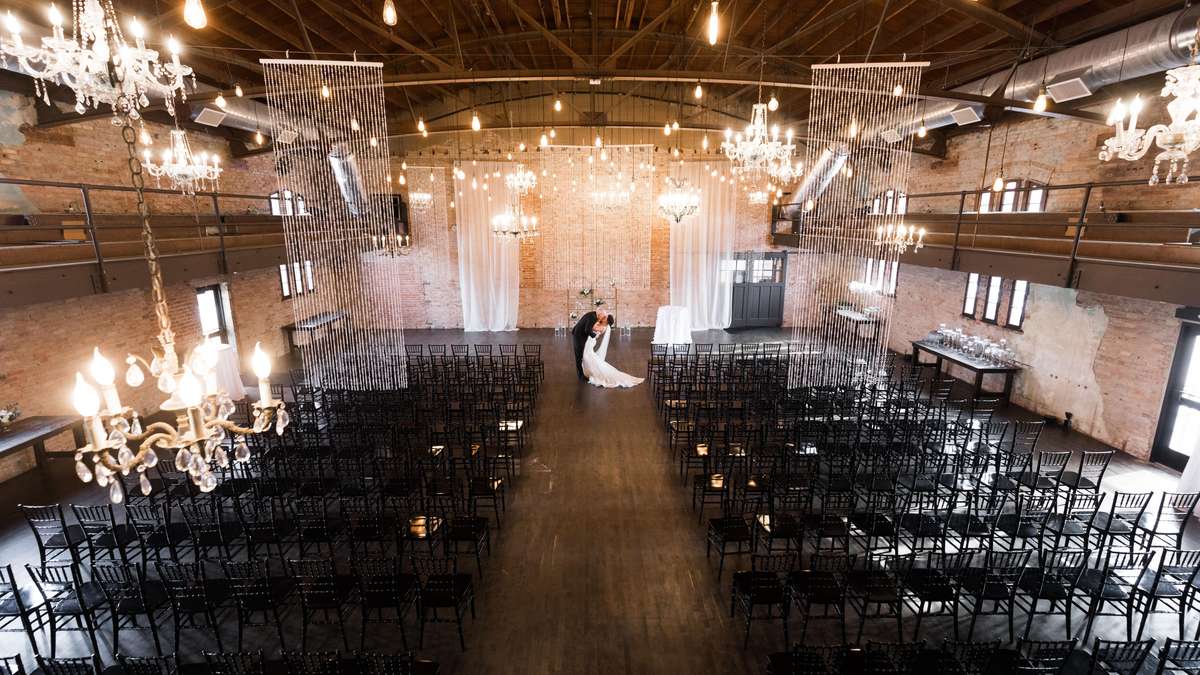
pixel 583 328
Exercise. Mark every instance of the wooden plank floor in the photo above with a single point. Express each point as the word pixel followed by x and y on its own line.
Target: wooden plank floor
pixel 600 565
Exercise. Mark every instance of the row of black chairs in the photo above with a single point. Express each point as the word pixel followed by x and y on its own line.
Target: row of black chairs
pixel 233 663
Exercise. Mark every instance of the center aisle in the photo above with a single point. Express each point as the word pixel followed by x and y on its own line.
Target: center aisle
pixel 600 565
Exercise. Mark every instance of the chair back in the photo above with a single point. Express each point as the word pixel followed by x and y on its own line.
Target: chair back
pixel 313 663
pixel 83 665
pixel 146 665
pixel 234 663
pixel 1119 658
pixel 12 665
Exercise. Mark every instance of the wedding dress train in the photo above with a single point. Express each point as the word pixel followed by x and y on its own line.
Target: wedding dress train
pixel 597 369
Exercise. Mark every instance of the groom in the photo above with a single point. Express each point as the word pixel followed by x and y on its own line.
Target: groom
pixel 589 325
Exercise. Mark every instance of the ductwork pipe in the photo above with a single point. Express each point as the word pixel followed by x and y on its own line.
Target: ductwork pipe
pixel 817 179
pixel 250 115
pixel 1147 48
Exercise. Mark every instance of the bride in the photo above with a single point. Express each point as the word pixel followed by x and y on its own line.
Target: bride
pixel 597 369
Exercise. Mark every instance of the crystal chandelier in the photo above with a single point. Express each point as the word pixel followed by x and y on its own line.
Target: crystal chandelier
pixel 187 172
pixel 758 149
pixel 613 198
pixel 202 410
pixel 679 201
pixel 392 244
pixel 899 237
pixel 420 200
pixel 758 197
pixel 97 62
pixel 1176 140
pixel 521 181
pixel 786 171
pixel 512 224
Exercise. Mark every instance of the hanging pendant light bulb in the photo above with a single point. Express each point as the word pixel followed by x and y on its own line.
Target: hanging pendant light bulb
pixel 714 25
pixel 999 184
pixel 389 12
pixel 773 104
pixel 666 130
pixel 921 130
pixel 475 124
pixel 403 180
pixel 421 124
pixel 558 105
pixel 599 142
pixel 543 141
pixel 898 90
pixel 404 165
pixel 354 125
pixel 237 90
pixel 704 142
pixel 144 137
pixel 193 14
pixel 675 125
pixel 325 93
pixel 698 92
pixel 1039 104
pixel 258 137
pixel 553 133
pixel 220 101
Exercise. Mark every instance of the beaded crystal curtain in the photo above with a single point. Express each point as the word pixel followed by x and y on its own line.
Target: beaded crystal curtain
pixel 596 217
pixel 842 316
pixel 338 220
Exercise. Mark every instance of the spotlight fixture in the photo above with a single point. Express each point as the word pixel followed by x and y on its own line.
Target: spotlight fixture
pixel 389 12
pixel 714 24
pixel 193 14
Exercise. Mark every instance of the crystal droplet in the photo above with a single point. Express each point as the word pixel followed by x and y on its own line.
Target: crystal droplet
pixel 134 377
pixel 219 435
pixel 151 459
pixel 116 494
pixel 83 472
pixel 120 424
pixel 156 367
pixel 80 108
pixel 116 438
pixel 208 483
pixel 183 458
pixel 135 428
pixel 281 421
pixel 166 383
pixel 144 484
pixel 241 451
pixel 196 467
pixel 221 458
pixel 124 456
pixel 227 408
pixel 260 423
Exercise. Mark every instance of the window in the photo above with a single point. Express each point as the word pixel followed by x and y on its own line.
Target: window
pixel 1016 303
pixel 284 203
pixel 972 293
pixel 212 314
pixel 890 202
pixel 881 275
pixel 1018 195
pixel 297 278
pixel 992 306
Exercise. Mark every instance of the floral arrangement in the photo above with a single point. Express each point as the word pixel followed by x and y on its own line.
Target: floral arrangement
pixel 599 302
pixel 9 414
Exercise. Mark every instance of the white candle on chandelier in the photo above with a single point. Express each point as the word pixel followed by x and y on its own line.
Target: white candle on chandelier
pixel 260 363
pixel 104 375
pixel 56 21
pixel 87 404
pixel 1135 107
pixel 13 27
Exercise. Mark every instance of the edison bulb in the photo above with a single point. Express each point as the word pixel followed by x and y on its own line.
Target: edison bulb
pixel 898 90
pixel 421 124
pixel 237 90
pixel 543 141
pixel 557 105
pixel 194 15
pixel 704 142
pixel 922 131
pixel 475 123
pixel 714 25
pixel 220 101
pixel 389 12
pixel 325 93
pixel 666 130
pixel 698 92
pixel 999 184
pixel 553 133
pixel 1039 104
pixel 258 137
pixel 773 104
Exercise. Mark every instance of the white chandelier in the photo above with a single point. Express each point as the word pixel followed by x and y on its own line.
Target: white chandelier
pixel 1176 140
pixel 521 181
pixel 679 201
pixel 899 237
pixel 758 149
pixel 758 197
pixel 97 62
pixel 613 198
pixel 420 200
pixel 786 171
pixel 512 224
pixel 187 172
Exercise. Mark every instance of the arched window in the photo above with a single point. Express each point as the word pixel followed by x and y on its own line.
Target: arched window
pixel 889 203
pixel 286 203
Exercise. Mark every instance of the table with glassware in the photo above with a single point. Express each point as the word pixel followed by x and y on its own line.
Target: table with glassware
pixel 981 365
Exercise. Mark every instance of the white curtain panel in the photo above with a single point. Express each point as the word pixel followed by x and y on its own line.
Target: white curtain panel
pixel 698 245
pixel 488 266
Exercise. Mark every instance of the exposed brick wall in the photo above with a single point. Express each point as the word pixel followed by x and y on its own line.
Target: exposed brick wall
pixel 1104 358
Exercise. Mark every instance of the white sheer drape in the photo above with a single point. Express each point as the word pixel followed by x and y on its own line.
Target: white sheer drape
pixel 488 266
pixel 698 245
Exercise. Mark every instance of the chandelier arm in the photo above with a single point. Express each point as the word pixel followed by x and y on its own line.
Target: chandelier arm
pixel 238 429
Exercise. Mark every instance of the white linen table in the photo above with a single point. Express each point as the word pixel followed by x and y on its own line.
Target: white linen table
pixel 673 326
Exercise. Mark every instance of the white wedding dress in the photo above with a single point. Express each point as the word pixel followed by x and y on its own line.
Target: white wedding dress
pixel 597 370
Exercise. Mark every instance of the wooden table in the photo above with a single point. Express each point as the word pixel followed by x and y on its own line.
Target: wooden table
pixel 33 432
pixel 978 366
pixel 312 327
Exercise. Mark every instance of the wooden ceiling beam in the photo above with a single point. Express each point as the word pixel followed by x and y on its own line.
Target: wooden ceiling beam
pixel 641 33
pixel 997 20
pixel 331 7
pixel 553 39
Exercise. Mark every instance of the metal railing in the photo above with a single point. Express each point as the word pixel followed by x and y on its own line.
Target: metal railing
pixel 214 216
pixel 958 211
